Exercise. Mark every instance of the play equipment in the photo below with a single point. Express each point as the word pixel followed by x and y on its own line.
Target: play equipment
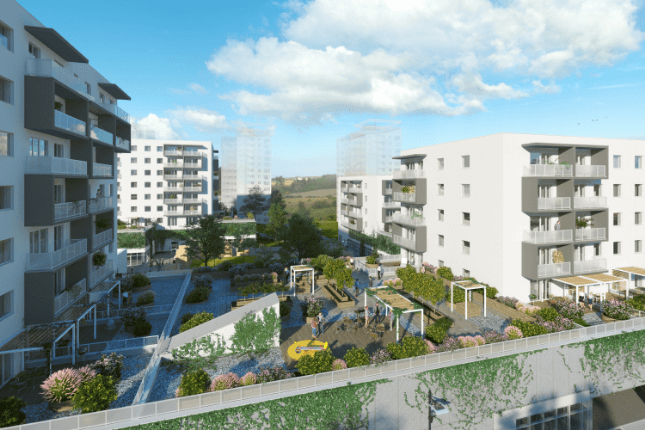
pixel 299 349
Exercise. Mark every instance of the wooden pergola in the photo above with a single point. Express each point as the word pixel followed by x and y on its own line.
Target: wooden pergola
pixel 32 339
pixel 467 286
pixel 392 299
pixel 76 313
pixel 630 272
pixel 587 282
pixel 302 268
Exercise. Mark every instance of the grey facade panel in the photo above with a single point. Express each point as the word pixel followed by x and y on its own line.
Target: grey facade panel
pixel 39 200
pixel 421 242
pixel 529 260
pixel 39 289
pixel 114 91
pixel 57 43
pixel 421 192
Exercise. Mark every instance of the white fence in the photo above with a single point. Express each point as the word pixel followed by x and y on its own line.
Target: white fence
pixel 55 165
pixel 548 236
pixel 63 211
pixel 555 170
pixel 556 269
pixel 50 260
pixel 590 234
pixel 591 171
pixel 554 203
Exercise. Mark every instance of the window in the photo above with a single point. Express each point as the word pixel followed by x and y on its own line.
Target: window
pixel 6 251
pixel 616 248
pixel 597 249
pixel 159 149
pixel 147 172
pixel 638 190
pixel 616 161
pixel 34 50
pixel 133 185
pixel 6 304
pixel 465 218
pixel 465 161
pixel 6 143
pixel 133 209
pixel 466 273
pixel 159 184
pixel 465 190
pixel 133 148
pixel 616 190
pixel 101 97
pixel 440 264
pixel 440 189
pixel 365 199
pixel 6 195
pixel 133 196
pixel 159 160
pixel 159 172
pixel 6 90
pixel 638 218
pixel 159 208
pixel 147 184
pixel 441 214
pixel 365 211
pixel 38 241
pixel 133 172
pixel 159 196
pixel 440 164
pixel 147 160
pixel 59 150
pixel 465 247
pixel 146 148
pixel 617 219
pixel 577 416
pixel 88 88
pixel 146 197
pixel 6 36
pixel 146 208
pixel 440 240
pixel 37 147
pixel 638 246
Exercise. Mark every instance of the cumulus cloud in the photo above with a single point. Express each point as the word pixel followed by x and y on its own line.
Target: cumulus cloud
pixel 413 56
pixel 202 119
pixel 163 128
pixel 192 88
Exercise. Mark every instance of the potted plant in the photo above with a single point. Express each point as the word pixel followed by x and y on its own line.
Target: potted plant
pixel 131 317
pixel 99 259
pixel 59 389
pixel 102 223
pixel 58 106
pixel 582 222
pixel 405 189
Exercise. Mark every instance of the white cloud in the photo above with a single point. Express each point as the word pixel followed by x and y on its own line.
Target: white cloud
pixel 198 89
pixel 163 128
pixel 540 88
pixel 202 119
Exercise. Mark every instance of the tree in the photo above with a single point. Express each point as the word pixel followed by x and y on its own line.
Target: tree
pixel 151 237
pixel 241 242
pixel 279 181
pixel 255 202
pixel 336 270
pixel 301 237
pixel 205 240
pixel 277 219
pixel 276 197
pixel 334 248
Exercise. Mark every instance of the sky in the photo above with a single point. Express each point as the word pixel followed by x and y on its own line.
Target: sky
pixel 447 69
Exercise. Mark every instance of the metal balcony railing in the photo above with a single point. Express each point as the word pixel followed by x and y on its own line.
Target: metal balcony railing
pixel 355 190
pixel 405 197
pixel 193 164
pixel 193 189
pixel 391 204
pixel 169 189
pixel 68 296
pixel 408 220
pixel 63 211
pixel 554 236
pixel 554 203
pixel 178 165
pixel 50 69
pixel 553 170
pixel 174 212
pixel 101 238
pixel 173 177
pixel 55 166
pixel 597 265
pixel 49 261
pixel 69 123
pixel 173 201
pixel 195 200
pixel 193 211
pixel 384 233
pixel 408 174
pixel 99 169
pixel 555 269
pixel 404 241
pixel 116 111
pixel 192 177
pixel 101 203
pixel 173 153
pixel 590 202
pixel 188 153
pixel 101 135
pixel 123 143
pixel 388 192
pixel 590 171
pixel 101 273
pixel 591 234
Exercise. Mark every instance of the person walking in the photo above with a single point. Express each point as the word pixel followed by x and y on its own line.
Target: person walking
pixel 391 315
pixel 377 314
pixel 126 298
pixel 557 225
pixel 378 271
pixel 313 328
pixel 321 321
pixel 367 315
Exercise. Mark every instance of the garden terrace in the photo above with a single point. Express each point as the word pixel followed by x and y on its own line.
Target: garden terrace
pixel 395 302
pixel 585 284
pixel 631 274
pixel 467 286
pixel 506 311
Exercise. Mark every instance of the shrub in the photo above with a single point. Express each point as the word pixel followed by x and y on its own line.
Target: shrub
pixel 10 414
pixel 87 374
pixel 638 302
pixel 528 310
pixel 126 283
pixel 529 329
pixel 338 364
pixel 470 341
pixel 450 344
pixel 140 280
pixel 570 310
pixel 581 322
pixel 237 278
pixel 405 274
pixel 312 306
pixel 445 272
pixel 226 381
pixel 494 337
pixel 198 295
pixel 371 259
pixel 248 379
pixel 109 365
pixel 410 346
pixel 61 385
pixel 133 316
pixel 238 269
pixel 513 332
pixel 195 382
pixel 272 374
pixel 205 269
pixel 458 295
pixel 185 317
pixel 381 356
pixel 508 301
pixel 203 282
pixel 96 395
pixel 356 357
pixel 617 310
pixel 558 324
pixel 146 298
pixel 224 266
pixel 245 278
pixel 548 314
pixel 491 292
pixel 319 362
pixel 142 328
pixel 196 320
pixel 430 347
pixel 436 333
pixel 285 310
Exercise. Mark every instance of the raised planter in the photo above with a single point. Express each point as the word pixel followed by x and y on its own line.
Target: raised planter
pixel 141 289
pixel 242 302
pixel 341 301
pixel 67 405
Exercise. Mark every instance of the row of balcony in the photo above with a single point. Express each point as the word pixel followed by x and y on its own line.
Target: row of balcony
pixel 180 177
pixel 564 236
pixel 101 273
pixel 69 296
pixel 564 269
pixel 64 166
pixel 180 164
pixel 102 238
pixel 404 241
pixel 183 212
pixel 69 123
pixel 181 153
pixel 49 261
pixel 179 201
pixel 565 171
pixel 564 203
pixel 193 189
pixel 355 213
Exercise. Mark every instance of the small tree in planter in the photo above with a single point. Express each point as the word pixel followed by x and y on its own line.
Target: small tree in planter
pixel 99 259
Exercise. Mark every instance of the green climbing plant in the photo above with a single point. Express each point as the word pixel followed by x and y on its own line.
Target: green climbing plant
pixel 253 333
pixel 199 353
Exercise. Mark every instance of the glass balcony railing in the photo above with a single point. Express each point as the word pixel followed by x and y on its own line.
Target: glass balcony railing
pixel 590 202
pixel 195 211
pixel 123 143
pixel 50 69
pixel 194 201
pixel 388 191
pixel 55 166
pixel 408 174
pixel 553 170
pixel 176 165
pixel 591 234
pixel 49 261
pixel 4 41
pixel 174 212
pixel 101 135
pixel 173 201
pixel 405 197
pixel 101 238
pixel 99 169
pixel 173 176
pixel 597 265
pixel 173 153
pixel 404 241
pixel 101 273
pixel 391 204
pixel 69 296
pixel 116 111
pixel 590 171
pixel 101 203
pixel 63 211
pixel 194 189
pixel 408 220
pixel 69 123
pixel 554 203
pixel 554 236
pixel 555 269
pixel 192 177
pixel 355 190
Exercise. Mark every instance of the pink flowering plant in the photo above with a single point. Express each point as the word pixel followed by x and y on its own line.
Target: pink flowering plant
pixel 558 324
pixel 429 268
pixel 430 346
pixel 508 301
pixel 338 364
pixel 513 332
pixel 380 356
pixel 494 337
pixel 470 341
pixel 272 374
pixel 570 310
pixel 449 344
pixel 617 310
pixel 86 373
pixel 61 385
pixel 248 379
pixel 109 365
pixel 528 310
pixel 225 381
pixel 312 306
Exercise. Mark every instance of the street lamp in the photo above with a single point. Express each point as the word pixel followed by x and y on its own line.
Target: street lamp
pixel 435 408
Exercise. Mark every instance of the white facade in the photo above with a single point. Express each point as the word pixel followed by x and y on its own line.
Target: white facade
pixel 370 150
pixel 169 181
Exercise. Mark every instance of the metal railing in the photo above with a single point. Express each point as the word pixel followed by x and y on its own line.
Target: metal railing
pixel 391 204
pixel 405 197
pixel 555 170
pixel 188 153
pixel 548 236
pixel 599 264
pixel 101 203
pixel 193 164
pixel 193 189
pixel 99 169
pixel 553 203
pixel 408 220
pixel 176 212
pixel 591 171
pixel 408 174
pixel 193 211
pixel 116 111
pixel 187 177
pixel 102 135
pixel 355 190
pixel 63 211
pixel 187 201
pixel 590 202
pixel 178 165
pixel 591 234
pixel 101 273
pixel 55 165
pixel 173 201
pixel 4 41
pixel 173 176
pixel 404 241
pixel 173 189
pixel 122 344
pixel 173 153
pixel 68 297
pixel 555 269
pixel 69 123
pixel 102 238
pixel 50 69
pixel 388 192
pixel 122 143
pixel 348 201
pixel 48 261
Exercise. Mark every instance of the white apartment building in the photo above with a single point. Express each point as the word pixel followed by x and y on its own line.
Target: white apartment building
pixel 370 150
pixel 489 207
pixel 246 163
pixel 168 181
pixel 57 183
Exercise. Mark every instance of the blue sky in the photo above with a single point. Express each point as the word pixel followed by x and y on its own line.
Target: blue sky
pixel 446 69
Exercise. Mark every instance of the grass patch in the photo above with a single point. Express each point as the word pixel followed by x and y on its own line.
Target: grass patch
pixel 235 260
pixel 330 229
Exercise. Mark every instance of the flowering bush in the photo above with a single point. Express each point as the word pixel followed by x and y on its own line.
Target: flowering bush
pixel 494 337
pixel 86 373
pixel 248 379
pixel 274 276
pixel 429 268
pixel 398 282
pixel 528 310
pixel 272 374
pixel 617 310
pixel 558 324
pixel 508 301
pixel 449 344
pixel 469 341
pixel 513 332
pixel 338 364
pixel 380 356
pixel 133 316
pixel 109 365
pixel 61 385
pixel 312 306
pixel 458 278
pixel 430 346
pixel 225 381
pixel 570 310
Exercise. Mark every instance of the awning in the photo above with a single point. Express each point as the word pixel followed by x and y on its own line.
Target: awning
pixel 577 281
pixel 57 43
pixel 33 338
pixel 114 91
pixel 632 270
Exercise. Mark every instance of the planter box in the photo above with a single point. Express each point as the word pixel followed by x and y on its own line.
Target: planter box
pixel 341 302
pixel 128 328
pixel 67 405
pixel 371 266
pixel 141 289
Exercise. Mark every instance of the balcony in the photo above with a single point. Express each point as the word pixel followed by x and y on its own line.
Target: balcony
pixel 69 123
pixel 590 171
pixel 169 189
pixel 49 261
pixel 193 164
pixel 103 170
pixel 555 269
pixel 68 211
pixel 193 189
pixel 596 202
pixel 122 143
pixel 408 174
pixel 101 204
pixel 173 201
pixel 388 219
pixel 549 170
pixel 405 197
pixel 101 238
pixel 116 111
pixel 384 233
pixel 188 153
pixel 50 69
pixel 408 220
pixel 391 205
pixel 173 176
pixel 194 201
pixel 344 189
pixel 345 224
pixel 388 192
pixel 173 153
pixel 169 164
pixel 4 41
pixel 192 177
pixel 540 237
pixel 101 135
pixel 355 190
pixel 174 212
pixel 587 234
pixel 70 295
pixel 554 203
pixel 585 266
pixel 55 166
pixel 101 273
pixel 404 241
pixel 193 211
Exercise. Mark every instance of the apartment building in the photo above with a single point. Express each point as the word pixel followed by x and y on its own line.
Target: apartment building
pixel 497 208
pixel 370 150
pixel 246 163
pixel 167 181
pixel 57 183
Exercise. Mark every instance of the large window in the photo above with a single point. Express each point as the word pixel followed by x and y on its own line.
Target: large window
pixel 37 147
pixel 576 416
pixel 6 198
pixel 38 241
pixel 616 161
pixel 133 159
pixel 6 90
pixel 6 304
pixel 136 259
pixel 638 162
pixel 6 251
pixel 6 143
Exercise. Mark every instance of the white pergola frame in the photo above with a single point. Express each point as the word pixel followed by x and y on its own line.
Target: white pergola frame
pixel 77 323
pixel 630 274
pixel 294 270
pixel 387 306
pixel 476 286
pixel 592 283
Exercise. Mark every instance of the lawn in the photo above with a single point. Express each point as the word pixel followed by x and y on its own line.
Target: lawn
pixel 330 229
pixel 316 213
pixel 235 260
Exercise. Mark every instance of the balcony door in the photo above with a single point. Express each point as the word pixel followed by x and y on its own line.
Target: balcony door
pixel 59 193
pixel 544 255
pixel 540 223
pixel 541 289
pixel 579 190
pixel 597 190
pixel 38 242
pixel 544 191
pixel 58 237
pixel 59 281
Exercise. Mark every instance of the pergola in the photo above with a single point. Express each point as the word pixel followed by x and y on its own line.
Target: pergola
pixel 106 287
pixel 392 299
pixel 630 272
pixel 467 286
pixel 302 268
pixel 33 338
pixel 77 312
pixel 589 281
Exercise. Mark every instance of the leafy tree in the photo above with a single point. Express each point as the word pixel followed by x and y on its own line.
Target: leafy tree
pixel 276 197
pixel 152 238
pixel 277 219
pixel 205 240
pixel 279 181
pixel 255 202
pixel 241 242
pixel 336 270
pixel 334 248
pixel 301 237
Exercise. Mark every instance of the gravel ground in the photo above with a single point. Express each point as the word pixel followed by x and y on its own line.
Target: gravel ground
pixel 166 290
pixel 217 302
pixel 127 387
pixel 593 318
pixel 492 322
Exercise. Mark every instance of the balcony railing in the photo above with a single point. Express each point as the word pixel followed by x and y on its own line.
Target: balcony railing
pixel 173 201
pixel 173 176
pixel 192 177
pixel 590 202
pixel 591 234
pixel 123 143
pixel 101 203
pixel 173 189
pixel 55 166
pixel 193 164
pixel 384 233
pixel 101 273
pixel 345 224
pixel 555 269
pixel 195 200
pixel 51 260
pixel 405 197
pixel 597 265
pixel 101 238
pixel 4 41
pixel 63 211
pixel 177 165
pixel 68 296
pixel 344 189
pixel 355 190
pixel 101 135
pixel 554 203
pixel 117 111
pixel 195 189
pixel 391 205
pixel 348 201
pixel 69 123
pixel 388 192
pixel 408 220
pixel 590 171
pixel 50 69
pixel 174 212
pixel 554 236
pixel 193 211
pixel 388 219
pixel 192 153
pixel 404 241
pixel 553 170
pixel 99 169
pixel 408 174
pixel 173 153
